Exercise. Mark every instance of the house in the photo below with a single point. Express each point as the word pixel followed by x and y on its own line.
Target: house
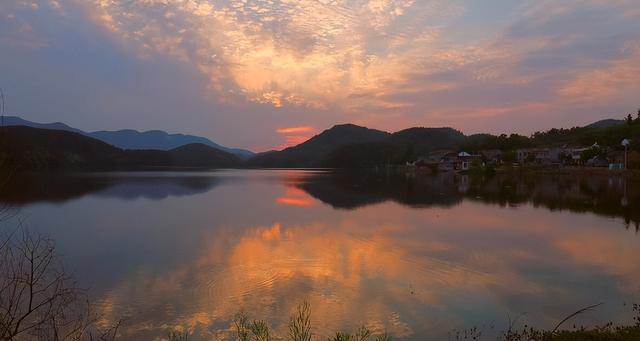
pixel 544 156
pixel 432 160
pixel 437 155
pixel 464 161
pixel 492 156
pixel 575 154
pixel 448 162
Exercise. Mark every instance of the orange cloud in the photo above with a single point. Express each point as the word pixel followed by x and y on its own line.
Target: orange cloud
pixel 295 135
pixel 321 57
pixel 300 129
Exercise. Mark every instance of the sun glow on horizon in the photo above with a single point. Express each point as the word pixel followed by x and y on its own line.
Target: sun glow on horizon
pixel 387 64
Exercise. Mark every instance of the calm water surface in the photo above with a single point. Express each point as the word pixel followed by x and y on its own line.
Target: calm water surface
pixel 418 257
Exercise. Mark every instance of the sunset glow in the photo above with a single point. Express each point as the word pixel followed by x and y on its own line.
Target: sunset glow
pixel 306 170
pixel 498 67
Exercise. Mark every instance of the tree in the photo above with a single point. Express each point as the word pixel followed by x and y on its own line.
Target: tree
pixel 38 299
pixel 638 118
pixel 629 119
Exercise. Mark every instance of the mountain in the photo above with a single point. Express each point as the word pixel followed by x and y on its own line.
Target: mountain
pixel 342 146
pixel 314 152
pixel 158 139
pixel 201 155
pixel 34 149
pixel 349 146
pixel 607 123
pixel 17 121
pixel 397 148
pixel 132 139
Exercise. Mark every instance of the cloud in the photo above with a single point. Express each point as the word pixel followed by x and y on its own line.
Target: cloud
pixel 301 129
pixel 388 64
pixel 305 53
pixel 295 135
pixel 16 30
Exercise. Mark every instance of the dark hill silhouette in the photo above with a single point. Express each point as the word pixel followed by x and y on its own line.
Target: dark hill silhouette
pixel 33 149
pixel 313 152
pixel 346 146
pixel 199 155
pixel 46 149
pixel 342 146
pixel 400 147
pixel 606 123
pixel 132 139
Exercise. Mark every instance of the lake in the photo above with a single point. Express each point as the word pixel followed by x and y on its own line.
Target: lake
pixel 418 256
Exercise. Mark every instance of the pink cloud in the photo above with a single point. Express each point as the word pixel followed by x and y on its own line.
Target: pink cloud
pixel 295 135
pixel 291 130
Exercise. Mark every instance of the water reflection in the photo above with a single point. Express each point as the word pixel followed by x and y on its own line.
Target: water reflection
pixel 415 256
pixel 62 187
pixel 612 196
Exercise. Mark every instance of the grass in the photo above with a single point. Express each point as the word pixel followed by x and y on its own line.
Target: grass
pixel 300 323
pixel 607 332
pixel 176 336
pixel 300 330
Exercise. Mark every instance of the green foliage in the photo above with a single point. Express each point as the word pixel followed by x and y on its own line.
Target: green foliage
pixel 299 329
pixel 259 330
pixel 383 337
pixel 591 153
pixel 607 332
pixel 300 323
pixel 241 322
pixel 503 142
pixel 175 336
pixel 584 136
pixel 250 331
pixel 361 334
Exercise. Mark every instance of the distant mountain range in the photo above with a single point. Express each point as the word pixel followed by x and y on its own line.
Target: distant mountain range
pixel 132 139
pixel 36 149
pixel 59 147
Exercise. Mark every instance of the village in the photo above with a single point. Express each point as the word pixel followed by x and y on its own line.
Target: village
pixel 594 156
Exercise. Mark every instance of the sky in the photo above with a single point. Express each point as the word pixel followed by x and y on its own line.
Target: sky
pixel 265 74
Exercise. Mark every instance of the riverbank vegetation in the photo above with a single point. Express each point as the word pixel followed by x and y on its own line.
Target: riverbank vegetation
pixel 300 330
pixel 342 146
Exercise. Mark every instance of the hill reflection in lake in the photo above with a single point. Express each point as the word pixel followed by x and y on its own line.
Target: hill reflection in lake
pixel 614 195
pixel 417 256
